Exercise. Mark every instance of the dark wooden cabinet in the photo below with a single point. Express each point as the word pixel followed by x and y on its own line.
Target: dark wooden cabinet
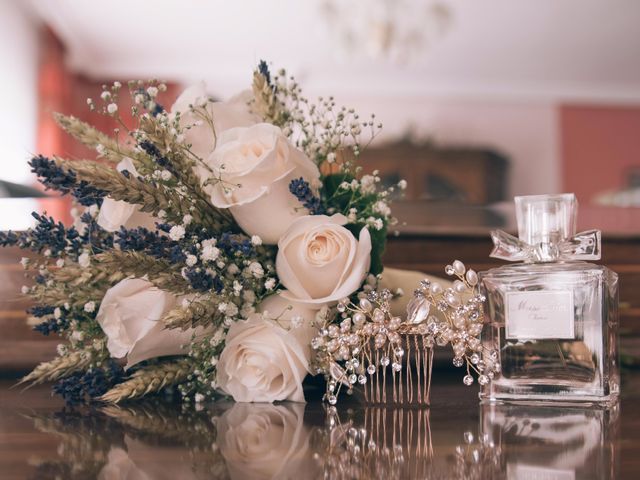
pixel 430 236
pixel 468 175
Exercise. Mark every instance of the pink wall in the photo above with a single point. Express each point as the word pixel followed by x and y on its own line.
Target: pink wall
pixel 598 145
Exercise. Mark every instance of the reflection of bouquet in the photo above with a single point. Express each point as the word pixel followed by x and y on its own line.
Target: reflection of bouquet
pixel 161 440
pixel 187 226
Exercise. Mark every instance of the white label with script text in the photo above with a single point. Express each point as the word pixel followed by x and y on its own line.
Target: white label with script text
pixel 539 315
pixel 529 472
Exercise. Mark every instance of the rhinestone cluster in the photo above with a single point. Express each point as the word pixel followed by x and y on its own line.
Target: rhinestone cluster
pixel 441 316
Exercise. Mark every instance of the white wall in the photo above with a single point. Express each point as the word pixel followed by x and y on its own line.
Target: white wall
pixel 527 132
pixel 18 91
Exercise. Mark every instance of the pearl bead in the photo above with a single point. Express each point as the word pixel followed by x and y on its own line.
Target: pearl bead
pixel 435 288
pixel 475 329
pixel 394 324
pixel 365 305
pixel 378 315
pixel 359 318
pixel 458 267
pixel 452 299
pixel 345 325
pixel 459 286
pixel 472 277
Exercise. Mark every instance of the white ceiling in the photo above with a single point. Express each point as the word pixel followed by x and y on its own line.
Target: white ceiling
pixel 524 50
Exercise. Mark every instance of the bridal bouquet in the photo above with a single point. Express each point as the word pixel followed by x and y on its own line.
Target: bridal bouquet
pixel 210 242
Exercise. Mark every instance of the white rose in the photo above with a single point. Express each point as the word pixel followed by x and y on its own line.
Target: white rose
pixel 320 262
pixel 256 166
pixel 131 315
pixel 265 442
pixel 264 362
pixel 117 213
pixel 225 115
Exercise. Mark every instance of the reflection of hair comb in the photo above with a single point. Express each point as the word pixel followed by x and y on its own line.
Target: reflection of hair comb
pixel 370 343
pixel 388 443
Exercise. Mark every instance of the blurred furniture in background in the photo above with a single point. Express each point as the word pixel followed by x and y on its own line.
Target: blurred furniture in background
pixel 17 190
pixel 430 236
pixel 462 174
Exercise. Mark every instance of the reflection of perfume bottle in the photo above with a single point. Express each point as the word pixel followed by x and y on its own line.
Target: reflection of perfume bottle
pixel 553 442
pixel 552 318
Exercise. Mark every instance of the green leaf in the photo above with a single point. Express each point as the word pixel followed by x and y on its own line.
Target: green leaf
pixel 332 195
pixel 378 244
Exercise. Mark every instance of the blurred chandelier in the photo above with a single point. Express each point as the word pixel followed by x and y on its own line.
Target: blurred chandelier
pixel 395 30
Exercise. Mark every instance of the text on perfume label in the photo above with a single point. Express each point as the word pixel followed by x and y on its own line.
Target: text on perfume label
pixel 539 315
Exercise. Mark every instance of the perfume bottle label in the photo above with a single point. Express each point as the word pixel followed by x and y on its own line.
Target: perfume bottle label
pixel 529 472
pixel 539 315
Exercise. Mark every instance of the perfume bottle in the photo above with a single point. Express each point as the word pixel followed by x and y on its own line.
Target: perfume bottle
pixel 552 318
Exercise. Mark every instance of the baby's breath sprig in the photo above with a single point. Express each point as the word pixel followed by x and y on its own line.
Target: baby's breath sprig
pixel 323 131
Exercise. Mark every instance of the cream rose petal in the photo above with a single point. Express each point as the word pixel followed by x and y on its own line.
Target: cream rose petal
pixel 114 214
pixel 296 273
pixel 321 280
pixel 226 115
pixel 262 362
pixel 131 315
pixel 256 166
pixel 269 215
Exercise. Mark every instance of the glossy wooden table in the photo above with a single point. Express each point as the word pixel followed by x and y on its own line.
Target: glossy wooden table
pixel 455 438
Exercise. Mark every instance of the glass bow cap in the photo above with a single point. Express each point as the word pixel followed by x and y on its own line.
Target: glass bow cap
pixel 546 218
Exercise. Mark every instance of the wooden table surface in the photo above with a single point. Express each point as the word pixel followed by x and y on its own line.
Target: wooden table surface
pixel 455 438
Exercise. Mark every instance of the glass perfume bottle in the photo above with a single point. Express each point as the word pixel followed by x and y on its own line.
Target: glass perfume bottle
pixel 552 317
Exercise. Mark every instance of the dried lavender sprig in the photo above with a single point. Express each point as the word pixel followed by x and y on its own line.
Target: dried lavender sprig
pixel 80 387
pixel 301 189
pixel 48 235
pixel 65 181
pixel 152 198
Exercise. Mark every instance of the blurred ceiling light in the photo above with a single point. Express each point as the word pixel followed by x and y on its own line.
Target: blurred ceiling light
pixel 393 30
